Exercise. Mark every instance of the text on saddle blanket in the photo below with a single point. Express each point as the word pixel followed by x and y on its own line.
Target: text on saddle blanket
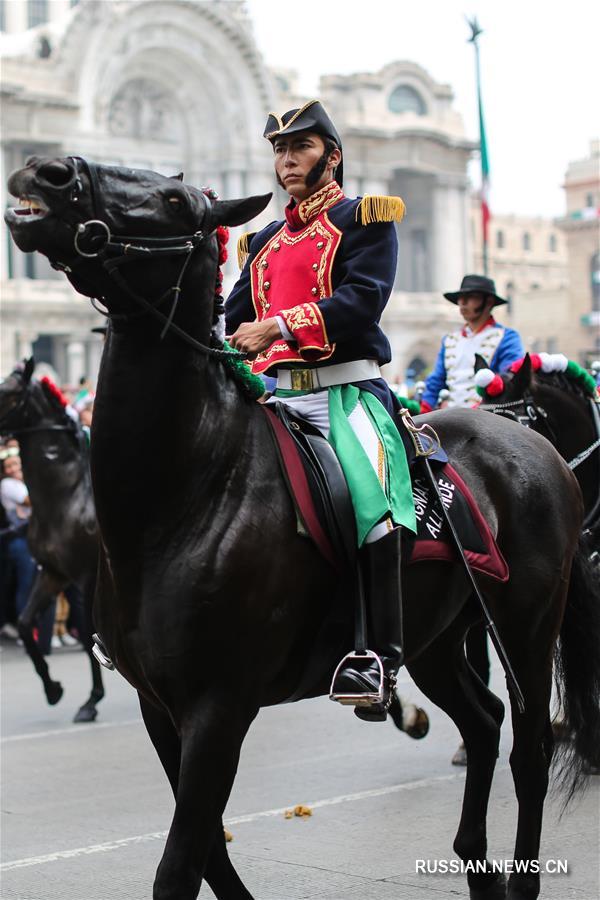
pixel 434 542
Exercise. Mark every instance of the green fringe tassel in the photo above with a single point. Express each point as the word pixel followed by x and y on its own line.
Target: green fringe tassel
pixel 578 373
pixel 252 386
pixel 373 208
pixel 412 406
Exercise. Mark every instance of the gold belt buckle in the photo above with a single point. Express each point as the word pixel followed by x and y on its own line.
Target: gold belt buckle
pixel 302 380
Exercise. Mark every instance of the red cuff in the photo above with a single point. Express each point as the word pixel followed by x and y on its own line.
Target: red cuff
pixel 425 407
pixel 307 328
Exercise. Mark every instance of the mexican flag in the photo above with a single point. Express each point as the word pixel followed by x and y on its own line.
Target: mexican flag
pixel 485 170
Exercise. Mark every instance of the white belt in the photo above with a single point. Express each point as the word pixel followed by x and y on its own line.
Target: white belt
pixel 313 379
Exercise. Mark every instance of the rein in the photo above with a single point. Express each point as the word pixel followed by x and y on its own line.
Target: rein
pixel 118 250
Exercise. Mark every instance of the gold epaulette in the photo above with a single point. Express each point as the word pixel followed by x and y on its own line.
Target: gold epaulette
pixel 374 208
pixel 243 247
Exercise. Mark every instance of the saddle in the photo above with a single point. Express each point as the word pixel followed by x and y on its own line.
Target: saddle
pixel 323 505
pixel 316 483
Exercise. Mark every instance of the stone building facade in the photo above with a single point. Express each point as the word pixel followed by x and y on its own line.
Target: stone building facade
pixel 169 85
pixel 581 229
pixel 527 258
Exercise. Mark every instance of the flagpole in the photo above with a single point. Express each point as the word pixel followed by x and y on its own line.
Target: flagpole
pixel 485 170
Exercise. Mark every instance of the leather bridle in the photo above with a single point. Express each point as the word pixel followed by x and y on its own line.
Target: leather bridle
pixel 93 240
pixel 534 414
pixel 8 430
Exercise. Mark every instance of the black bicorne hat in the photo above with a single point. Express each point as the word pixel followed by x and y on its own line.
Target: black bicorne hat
pixel 476 284
pixel 310 117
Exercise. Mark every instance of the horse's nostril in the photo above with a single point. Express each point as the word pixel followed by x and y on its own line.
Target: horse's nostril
pixel 55 173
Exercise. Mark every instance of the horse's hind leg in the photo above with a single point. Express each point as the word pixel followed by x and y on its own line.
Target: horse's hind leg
pixel 200 770
pixel 44 590
pixel 530 763
pixel 442 673
pixel 88 712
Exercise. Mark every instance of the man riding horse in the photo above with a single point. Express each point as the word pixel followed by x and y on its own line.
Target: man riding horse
pixel 306 309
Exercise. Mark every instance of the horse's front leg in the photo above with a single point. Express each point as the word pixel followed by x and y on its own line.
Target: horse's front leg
pixel 211 735
pixel 44 590
pixel 88 712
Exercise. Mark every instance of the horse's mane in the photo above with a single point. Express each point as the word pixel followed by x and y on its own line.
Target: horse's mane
pixel 564 382
pixel 558 371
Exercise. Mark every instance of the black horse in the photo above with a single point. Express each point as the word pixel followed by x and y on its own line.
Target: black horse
pixel 564 406
pixel 62 533
pixel 208 599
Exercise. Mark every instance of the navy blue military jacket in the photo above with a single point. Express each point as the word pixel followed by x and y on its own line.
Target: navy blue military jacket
pixel 327 275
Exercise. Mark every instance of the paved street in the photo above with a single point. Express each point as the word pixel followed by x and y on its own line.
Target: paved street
pixel 85 808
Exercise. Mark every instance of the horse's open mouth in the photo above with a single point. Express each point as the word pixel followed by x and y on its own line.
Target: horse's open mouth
pixel 30 209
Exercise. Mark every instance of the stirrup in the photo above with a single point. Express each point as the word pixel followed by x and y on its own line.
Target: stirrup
pixel 365 698
pixel 99 651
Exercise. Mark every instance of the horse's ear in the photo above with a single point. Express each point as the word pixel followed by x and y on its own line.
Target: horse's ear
pixel 522 379
pixel 177 177
pixel 237 212
pixel 480 363
pixel 28 370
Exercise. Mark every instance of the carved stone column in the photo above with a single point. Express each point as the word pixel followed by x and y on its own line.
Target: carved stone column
pixel 76 361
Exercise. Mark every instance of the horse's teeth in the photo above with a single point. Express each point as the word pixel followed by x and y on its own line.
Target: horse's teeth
pixel 29 204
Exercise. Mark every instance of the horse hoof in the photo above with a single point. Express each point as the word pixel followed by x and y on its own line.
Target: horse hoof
pixel 420 727
pixel 460 757
pixel 495 891
pixel 86 714
pixel 54 691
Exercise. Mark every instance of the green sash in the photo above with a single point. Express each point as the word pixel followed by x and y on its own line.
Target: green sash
pixel 370 501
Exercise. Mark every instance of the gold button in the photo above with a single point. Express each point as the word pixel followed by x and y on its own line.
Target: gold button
pixel 276 247
pixel 315 266
pixel 326 347
pixel 264 263
pixel 313 290
pixel 319 245
pixel 267 285
pixel 313 235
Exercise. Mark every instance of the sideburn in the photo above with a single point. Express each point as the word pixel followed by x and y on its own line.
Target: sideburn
pixel 317 170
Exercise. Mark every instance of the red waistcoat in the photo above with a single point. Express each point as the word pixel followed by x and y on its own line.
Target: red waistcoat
pixel 291 273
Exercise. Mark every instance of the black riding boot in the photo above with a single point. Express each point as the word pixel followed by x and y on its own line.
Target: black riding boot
pixel 381 566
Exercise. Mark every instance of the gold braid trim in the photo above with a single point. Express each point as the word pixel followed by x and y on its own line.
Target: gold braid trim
pixel 243 247
pixel 373 208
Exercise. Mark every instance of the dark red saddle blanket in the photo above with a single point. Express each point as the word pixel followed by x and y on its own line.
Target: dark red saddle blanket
pixel 433 540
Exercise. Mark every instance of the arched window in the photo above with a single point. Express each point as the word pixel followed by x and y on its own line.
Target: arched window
pixel 405 99
pixel 552 243
pixel 499 239
pixel 415 369
pixel 44 48
pixel 526 241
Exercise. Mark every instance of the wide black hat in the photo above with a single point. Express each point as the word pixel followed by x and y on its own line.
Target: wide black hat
pixel 311 117
pixel 476 284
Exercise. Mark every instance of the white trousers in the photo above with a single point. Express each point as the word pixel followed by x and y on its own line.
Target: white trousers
pixel 315 409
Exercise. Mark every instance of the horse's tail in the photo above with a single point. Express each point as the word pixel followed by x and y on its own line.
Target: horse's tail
pixel 577 673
